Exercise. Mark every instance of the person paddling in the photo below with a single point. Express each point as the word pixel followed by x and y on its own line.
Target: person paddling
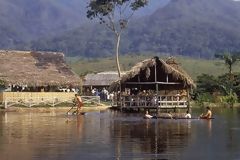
pixel 208 115
pixel 79 103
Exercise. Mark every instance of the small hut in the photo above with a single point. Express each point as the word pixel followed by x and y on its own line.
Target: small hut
pixel 98 81
pixel 154 84
pixel 33 75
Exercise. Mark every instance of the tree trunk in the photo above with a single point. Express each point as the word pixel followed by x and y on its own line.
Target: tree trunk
pixel 118 37
pixel 230 72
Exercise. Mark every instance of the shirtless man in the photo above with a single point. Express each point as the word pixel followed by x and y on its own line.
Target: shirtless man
pixel 208 115
pixel 79 103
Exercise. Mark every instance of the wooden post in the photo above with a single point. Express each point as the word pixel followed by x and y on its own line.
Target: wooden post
pixel 188 100
pixel 156 104
pixel 5 104
pixel 156 78
pixel 120 97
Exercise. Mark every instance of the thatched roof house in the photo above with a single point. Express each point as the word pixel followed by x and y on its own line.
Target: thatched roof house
pixel 102 79
pixel 35 69
pixel 146 74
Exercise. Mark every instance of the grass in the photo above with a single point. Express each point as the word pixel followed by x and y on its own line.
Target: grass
pixel 194 67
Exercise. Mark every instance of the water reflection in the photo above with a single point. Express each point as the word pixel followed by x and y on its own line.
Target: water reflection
pixel 152 138
pixel 115 135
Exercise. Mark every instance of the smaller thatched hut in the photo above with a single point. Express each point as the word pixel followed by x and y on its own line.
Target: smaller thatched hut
pixel 154 83
pixel 98 81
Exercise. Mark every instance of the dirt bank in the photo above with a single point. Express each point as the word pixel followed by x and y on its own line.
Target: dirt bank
pixel 53 109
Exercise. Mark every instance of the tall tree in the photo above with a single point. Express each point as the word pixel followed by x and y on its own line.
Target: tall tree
pixel 230 60
pixel 115 15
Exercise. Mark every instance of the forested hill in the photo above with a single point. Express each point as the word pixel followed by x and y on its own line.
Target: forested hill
pixel 24 20
pixel 198 28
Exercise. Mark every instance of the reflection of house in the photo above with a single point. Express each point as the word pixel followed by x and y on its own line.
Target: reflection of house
pixel 25 73
pixel 154 83
pixel 99 81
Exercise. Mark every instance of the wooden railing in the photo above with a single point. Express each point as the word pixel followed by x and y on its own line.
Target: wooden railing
pixel 153 102
pixel 30 99
pixel 91 99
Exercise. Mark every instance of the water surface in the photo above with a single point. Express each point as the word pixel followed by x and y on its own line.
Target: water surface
pixel 114 135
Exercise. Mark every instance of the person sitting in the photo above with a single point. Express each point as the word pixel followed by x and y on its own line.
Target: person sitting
pixel 188 115
pixel 208 115
pixel 169 115
pixel 148 116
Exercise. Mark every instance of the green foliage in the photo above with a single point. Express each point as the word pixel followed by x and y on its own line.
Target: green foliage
pixel 228 90
pixel 230 99
pixel 207 83
pixel 1 82
pixel 101 8
pixel 204 97
pixel 114 13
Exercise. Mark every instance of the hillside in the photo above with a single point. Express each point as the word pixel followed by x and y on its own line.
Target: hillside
pixel 22 21
pixel 25 20
pixel 198 28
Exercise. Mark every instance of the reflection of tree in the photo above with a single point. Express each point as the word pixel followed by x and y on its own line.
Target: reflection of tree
pixel 152 136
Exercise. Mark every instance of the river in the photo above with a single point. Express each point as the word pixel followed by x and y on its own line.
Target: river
pixel 114 135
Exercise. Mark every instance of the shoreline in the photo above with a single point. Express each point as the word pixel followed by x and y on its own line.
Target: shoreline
pixel 53 109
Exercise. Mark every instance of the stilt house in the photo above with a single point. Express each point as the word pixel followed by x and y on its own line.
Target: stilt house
pixel 153 84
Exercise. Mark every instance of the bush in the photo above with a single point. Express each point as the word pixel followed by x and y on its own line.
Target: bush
pixel 204 97
pixel 230 99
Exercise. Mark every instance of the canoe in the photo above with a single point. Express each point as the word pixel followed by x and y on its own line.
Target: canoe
pixel 184 118
pixel 154 117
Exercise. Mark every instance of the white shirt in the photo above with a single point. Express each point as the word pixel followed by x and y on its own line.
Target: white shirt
pixel 188 115
pixel 148 116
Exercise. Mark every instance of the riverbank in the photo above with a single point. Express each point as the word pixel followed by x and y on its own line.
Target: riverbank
pixel 194 104
pixel 53 109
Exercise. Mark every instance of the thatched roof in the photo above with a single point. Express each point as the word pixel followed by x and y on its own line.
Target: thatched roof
pixel 35 68
pixel 169 67
pixel 100 79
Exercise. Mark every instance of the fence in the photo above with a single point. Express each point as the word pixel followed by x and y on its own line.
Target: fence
pixel 30 99
pixel 153 102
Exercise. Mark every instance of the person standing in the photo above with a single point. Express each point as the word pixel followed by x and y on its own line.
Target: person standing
pixel 79 103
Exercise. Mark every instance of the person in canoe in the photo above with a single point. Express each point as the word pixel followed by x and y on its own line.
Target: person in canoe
pixel 207 115
pixel 147 115
pixel 188 115
pixel 170 115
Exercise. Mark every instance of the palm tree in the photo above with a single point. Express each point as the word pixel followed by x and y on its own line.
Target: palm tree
pixel 227 87
pixel 229 60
